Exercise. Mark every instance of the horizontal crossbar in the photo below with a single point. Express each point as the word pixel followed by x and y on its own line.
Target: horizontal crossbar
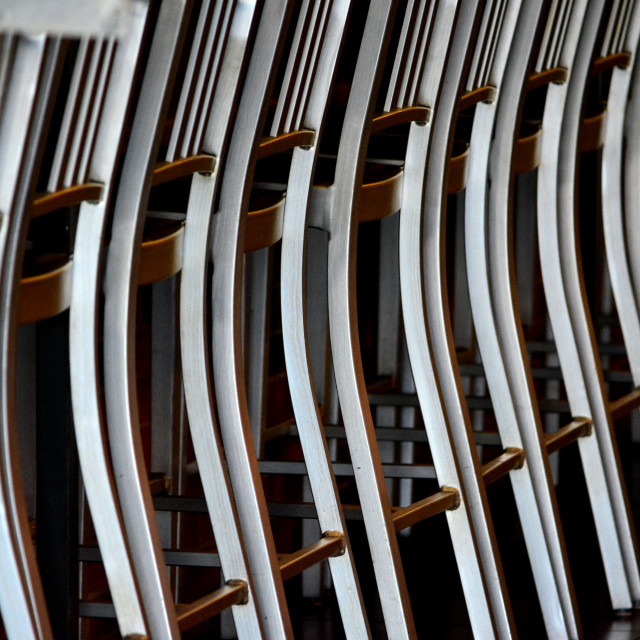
pixel 446 499
pixel 171 558
pixel 512 458
pixel 234 592
pixel 343 469
pixel 569 433
pixel 625 405
pixel 331 544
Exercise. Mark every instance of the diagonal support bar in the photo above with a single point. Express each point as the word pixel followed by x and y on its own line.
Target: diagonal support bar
pixel 512 458
pixel 577 428
pixel 331 544
pixel 446 499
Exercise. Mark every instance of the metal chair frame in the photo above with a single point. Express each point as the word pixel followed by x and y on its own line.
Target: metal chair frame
pixel 219 44
pixel 31 66
pixel 338 211
pixel 296 124
pixel 568 312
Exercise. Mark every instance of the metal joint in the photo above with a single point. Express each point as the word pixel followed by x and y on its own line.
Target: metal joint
pixel 456 493
pixel 337 534
pixel 521 456
pixel 588 428
pixel 245 590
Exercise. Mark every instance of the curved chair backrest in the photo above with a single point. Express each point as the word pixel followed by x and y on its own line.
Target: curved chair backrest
pixel 30 82
pixel 435 39
pixel 203 118
pixel 564 288
pixel 619 157
pixel 505 38
pixel 300 103
pixel 494 162
pixel 493 302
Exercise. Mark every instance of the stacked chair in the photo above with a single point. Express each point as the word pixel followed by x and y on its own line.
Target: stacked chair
pixel 216 101
pixel 565 48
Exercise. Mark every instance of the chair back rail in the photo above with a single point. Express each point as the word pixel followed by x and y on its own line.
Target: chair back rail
pixel 620 158
pixel 566 300
pixel 300 101
pixel 496 317
pixel 425 143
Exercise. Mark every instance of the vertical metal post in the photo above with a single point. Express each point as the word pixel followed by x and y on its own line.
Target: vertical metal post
pixel 57 481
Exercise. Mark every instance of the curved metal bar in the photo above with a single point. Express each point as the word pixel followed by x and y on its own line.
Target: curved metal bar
pixel 120 287
pixel 474 544
pixel 86 392
pixel 227 351
pixel 490 271
pixel 294 323
pixel 308 418
pixel 616 211
pixel 343 321
pixel 22 601
pixel 440 335
pixel 194 339
pixel 630 193
pixel 194 344
pixel 566 301
pixel 618 215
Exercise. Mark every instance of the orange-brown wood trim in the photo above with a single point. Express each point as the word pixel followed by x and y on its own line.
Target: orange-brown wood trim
pixel 557 75
pixel 161 258
pixel 623 406
pixel 271 146
pixel 48 202
pixel 458 172
pixel 168 171
pixel 592 132
pixel 380 199
pixel 621 60
pixel 400 116
pixel 481 94
pixel 45 295
pixel 264 227
pixel 527 155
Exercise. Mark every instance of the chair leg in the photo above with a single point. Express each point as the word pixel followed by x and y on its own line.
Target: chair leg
pixel 256 316
pixel 24 109
pixel 574 341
